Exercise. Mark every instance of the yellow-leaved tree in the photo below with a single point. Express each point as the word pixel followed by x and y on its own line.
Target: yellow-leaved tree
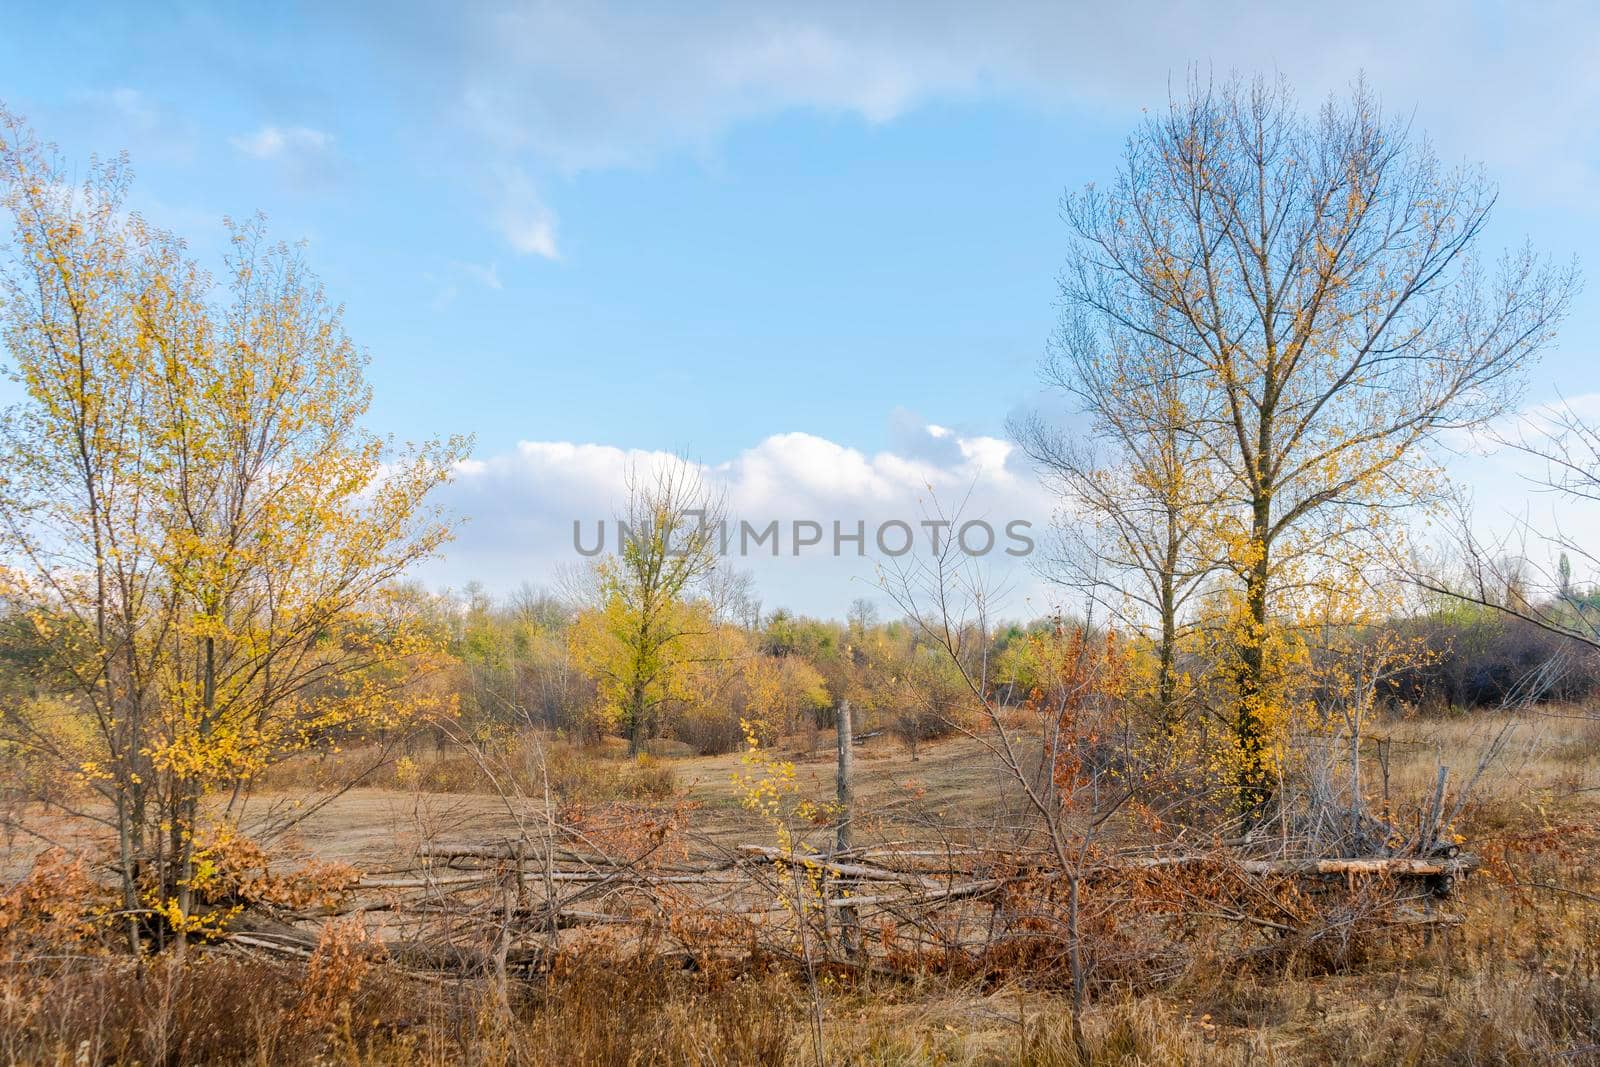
pixel 195 530
pixel 643 626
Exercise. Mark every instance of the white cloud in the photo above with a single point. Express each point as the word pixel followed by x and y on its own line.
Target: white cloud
pixel 549 88
pixel 522 217
pixel 521 506
pixel 558 88
pixel 303 157
pixel 275 142
pixel 130 105
pixel 596 85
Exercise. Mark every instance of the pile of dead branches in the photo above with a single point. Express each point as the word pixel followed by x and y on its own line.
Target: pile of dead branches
pixel 514 907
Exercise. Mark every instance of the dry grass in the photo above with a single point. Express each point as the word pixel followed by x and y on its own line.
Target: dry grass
pixel 217 1009
pixel 225 1010
pixel 222 1010
pixel 1547 767
pixel 1518 982
pixel 523 765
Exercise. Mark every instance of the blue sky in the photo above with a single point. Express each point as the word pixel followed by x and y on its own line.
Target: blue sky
pixel 785 241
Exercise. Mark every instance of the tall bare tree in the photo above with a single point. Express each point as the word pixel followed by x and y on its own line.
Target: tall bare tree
pixel 1314 284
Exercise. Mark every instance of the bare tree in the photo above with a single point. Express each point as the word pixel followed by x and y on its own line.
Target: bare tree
pixel 1135 526
pixel 946 601
pixel 1504 573
pixel 1311 283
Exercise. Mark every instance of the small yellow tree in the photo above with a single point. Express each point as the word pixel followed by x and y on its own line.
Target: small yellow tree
pixel 638 634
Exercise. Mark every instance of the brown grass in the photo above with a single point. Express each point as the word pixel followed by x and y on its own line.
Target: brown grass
pixel 1518 982
pixel 522 765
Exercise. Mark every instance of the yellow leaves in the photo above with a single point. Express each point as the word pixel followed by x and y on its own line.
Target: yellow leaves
pixel 644 654
pixel 231 869
pixel 207 527
pixel 230 753
pixel 406 771
pixel 94 771
pixel 765 783
pixel 768 787
pixel 191 923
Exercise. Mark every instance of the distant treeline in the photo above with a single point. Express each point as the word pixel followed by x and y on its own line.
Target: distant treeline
pixel 1478 657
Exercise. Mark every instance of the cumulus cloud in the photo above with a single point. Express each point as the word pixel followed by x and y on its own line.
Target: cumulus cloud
pixel 521 506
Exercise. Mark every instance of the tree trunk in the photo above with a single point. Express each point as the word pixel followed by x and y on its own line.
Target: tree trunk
pixel 1250 727
pixel 636 725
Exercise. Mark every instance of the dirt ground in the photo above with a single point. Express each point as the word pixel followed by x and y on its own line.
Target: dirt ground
pixel 1547 770
pixel 1546 773
pixel 951 784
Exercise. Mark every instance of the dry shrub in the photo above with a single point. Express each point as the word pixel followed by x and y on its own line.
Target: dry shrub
pixel 233 869
pixel 1142 931
pixel 55 908
pixel 1127 936
pixel 709 731
pixel 333 976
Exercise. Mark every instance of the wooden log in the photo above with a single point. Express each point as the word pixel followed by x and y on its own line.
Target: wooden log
pixel 514 851
pixel 932 896
pixel 1393 866
pixel 456 881
pixel 843 870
